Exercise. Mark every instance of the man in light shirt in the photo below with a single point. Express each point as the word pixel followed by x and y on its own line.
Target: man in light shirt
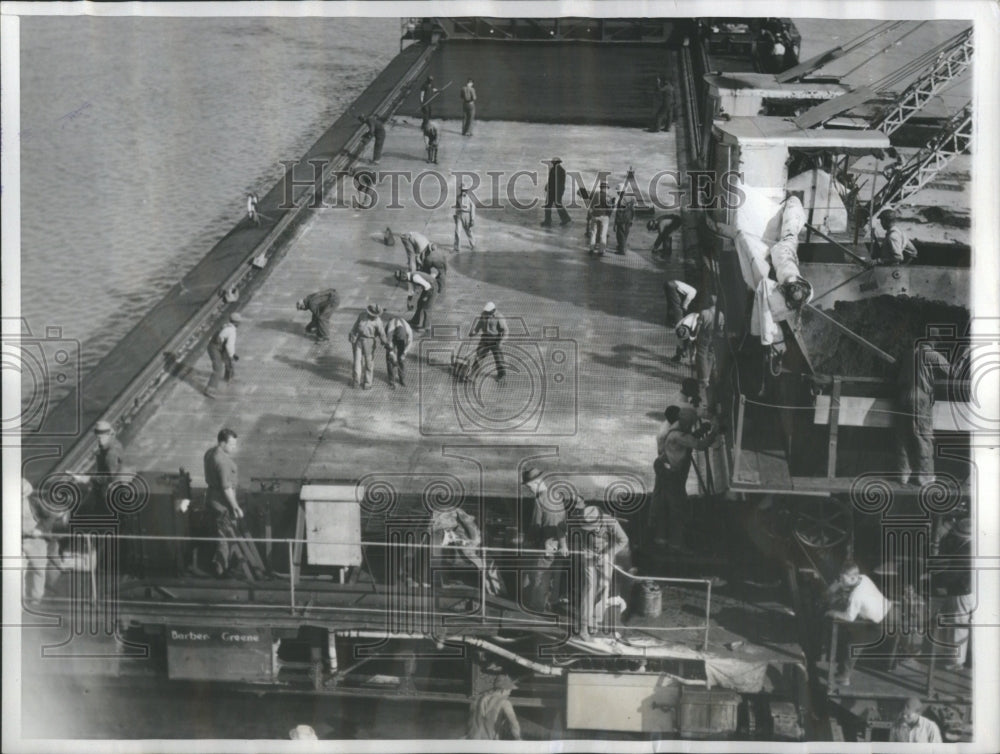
pixel 680 296
pixel 465 217
pixel 222 352
pixel 399 338
pixel 913 728
pixel 863 610
pixel 416 245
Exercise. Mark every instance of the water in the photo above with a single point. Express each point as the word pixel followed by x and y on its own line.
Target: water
pixel 140 139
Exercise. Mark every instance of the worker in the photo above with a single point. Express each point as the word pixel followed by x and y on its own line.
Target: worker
pixel 913 728
pixel 321 306
pixel 666 98
pixel 367 331
pixel 434 259
pixel 430 131
pixel 914 422
pixel 599 218
pixel 221 479
pixel 252 213
pixel 427 92
pixel 857 602
pixel 492 329
pixel 222 352
pixel 39 546
pixel 468 95
pixel 491 711
pixel 679 296
pixel 687 337
pixel 415 245
pixel 465 217
pixel 895 247
pixel 455 532
pixel 109 457
pixel 601 539
pixel 624 214
pixel 548 514
pixel 376 130
pixel 663 226
pixel 399 339
pixel 960 599
pixel 302 733
pixel 426 282
pixel 711 325
pixel 555 187
pixel 674 454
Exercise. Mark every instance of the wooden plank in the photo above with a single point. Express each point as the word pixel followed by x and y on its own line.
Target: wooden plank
pixel 859 411
pixel 822 112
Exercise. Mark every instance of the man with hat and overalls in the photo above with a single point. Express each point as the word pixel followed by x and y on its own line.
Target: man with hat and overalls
pixel 554 190
pixel 465 217
pixel 368 329
pixel 599 219
pixel 222 352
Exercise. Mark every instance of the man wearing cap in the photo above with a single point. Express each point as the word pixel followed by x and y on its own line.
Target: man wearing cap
pixel 416 245
pixel 956 547
pixel 426 283
pixel 679 296
pixel 39 546
pixel 468 95
pixel 222 352
pixel 687 336
pixel 600 538
pixel 221 479
pixel 663 226
pixel 492 329
pixel 434 259
pixel 554 190
pixel 427 92
pixel 674 460
pixel 914 420
pixel 465 217
pixel 399 338
pixel 491 711
pixel 599 219
pixel 624 213
pixel 321 305
pixel 548 515
pixel 895 247
pixel 913 728
pixel 109 457
pixel 368 329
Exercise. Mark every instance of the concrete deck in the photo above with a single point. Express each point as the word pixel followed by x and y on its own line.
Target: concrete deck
pixel 587 402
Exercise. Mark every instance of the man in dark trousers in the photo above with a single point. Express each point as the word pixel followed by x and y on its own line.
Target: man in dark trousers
pixel 399 339
pixel 915 420
pixel 554 190
pixel 222 352
pixel 468 95
pixel 624 213
pixel 425 283
pixel 599 219
pixel 493 330
pixel 673 467
pixel 433 259
pixel 376 130
pixel 665 112
pixel 321 305
pixel 221 477
pixel 427 92
pixel 663 226
pixel 430 141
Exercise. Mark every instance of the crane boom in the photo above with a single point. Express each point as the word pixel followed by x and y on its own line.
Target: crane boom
pixel 954 60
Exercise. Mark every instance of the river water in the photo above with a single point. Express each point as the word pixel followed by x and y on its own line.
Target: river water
pixel 140 139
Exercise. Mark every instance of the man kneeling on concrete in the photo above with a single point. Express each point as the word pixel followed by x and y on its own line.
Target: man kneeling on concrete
pixel 861 606
pixel 321 305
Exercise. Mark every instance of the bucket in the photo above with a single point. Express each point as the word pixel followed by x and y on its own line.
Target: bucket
pixel 650 600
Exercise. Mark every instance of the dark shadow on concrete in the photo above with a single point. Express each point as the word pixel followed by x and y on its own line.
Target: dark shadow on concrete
pixel 183 372
pixel 285 325
pixel 326 366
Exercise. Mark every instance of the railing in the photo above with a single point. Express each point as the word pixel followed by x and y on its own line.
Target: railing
pixel 293 578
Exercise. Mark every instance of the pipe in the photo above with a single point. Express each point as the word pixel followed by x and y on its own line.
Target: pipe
pixel 471 640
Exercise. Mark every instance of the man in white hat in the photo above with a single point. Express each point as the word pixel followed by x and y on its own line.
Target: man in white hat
pixel 222 352
pixel 599 219
pixel 492 330
pixel 368 330
pixel 465 216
